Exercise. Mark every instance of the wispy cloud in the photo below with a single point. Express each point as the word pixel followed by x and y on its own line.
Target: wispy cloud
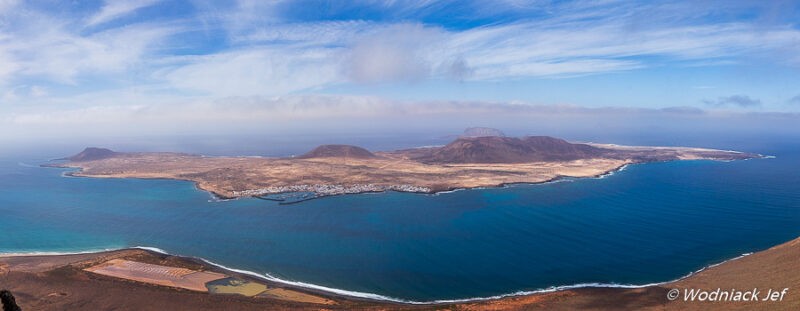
pixel 581 39
pixel 113 9
pixel 368 52
pixel 794 100
pixel 6 5
pixel 37 46
pixel 734 100
pixel 279 48
pixel 262 70
pixel 397 53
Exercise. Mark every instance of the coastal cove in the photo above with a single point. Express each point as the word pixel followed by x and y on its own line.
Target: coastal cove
pixel 650 223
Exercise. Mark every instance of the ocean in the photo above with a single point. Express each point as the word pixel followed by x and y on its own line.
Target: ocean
pixel 646 224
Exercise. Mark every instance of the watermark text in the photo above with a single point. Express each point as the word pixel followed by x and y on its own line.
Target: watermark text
pixel 728 295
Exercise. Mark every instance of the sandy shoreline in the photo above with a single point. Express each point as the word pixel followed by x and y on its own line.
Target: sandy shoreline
pixel 29 275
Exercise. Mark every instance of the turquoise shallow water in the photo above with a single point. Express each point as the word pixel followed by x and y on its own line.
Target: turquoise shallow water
pixel 649 223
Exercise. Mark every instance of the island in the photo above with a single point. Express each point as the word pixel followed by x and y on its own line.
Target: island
pixel 482 159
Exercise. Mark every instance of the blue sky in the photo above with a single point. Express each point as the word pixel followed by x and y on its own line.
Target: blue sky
pixel 148 63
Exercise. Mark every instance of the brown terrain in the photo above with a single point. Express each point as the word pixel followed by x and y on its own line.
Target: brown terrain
pixel 144 280
pixel 467 162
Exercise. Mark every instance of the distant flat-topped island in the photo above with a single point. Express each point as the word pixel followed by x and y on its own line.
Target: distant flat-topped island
pixel 467 162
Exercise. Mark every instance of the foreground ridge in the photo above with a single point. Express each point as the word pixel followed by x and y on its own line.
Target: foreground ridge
pixel 124 280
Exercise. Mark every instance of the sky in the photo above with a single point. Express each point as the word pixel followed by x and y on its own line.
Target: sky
pixel 159 67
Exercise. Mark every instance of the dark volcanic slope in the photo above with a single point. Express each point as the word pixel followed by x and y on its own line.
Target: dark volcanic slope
pixel 91 153
pixel 333 151
pixel 508 150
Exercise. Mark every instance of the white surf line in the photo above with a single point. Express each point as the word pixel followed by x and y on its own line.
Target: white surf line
pixel 373 296
pixel 357 294
pixel 44 253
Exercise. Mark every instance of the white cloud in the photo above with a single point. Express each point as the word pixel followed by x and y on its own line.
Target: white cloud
pixel 63 56
pixel 542 49
pixel 263 54
pixel 113 9
pixel 38 91
pixel 7 5
pixel 8 66
pixel 40 48
pixel 262 71
pixel 397 53
pixel 581 40
pixel 333 33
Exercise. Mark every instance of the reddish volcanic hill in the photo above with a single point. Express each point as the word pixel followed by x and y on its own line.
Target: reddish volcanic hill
pixel 92 153
pixel 338 151
pixel 492 149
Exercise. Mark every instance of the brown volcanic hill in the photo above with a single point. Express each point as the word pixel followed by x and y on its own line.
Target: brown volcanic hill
pixel 493 149
pixel 338 151
pixel 92 153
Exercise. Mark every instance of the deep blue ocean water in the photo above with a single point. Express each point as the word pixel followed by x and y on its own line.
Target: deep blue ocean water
pixel 649 223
